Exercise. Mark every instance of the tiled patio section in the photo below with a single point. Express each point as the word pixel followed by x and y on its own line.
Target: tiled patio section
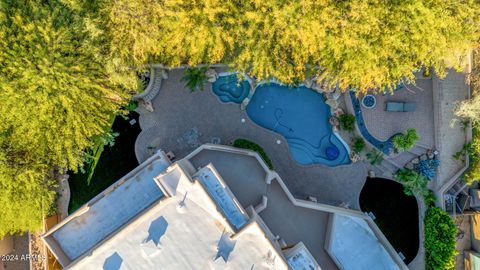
pixel 382 124
pixel 183 120
pixel 451 135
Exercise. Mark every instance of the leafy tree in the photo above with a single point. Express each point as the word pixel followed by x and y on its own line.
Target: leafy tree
pixel 375 157
pixel 440 233
pixel 413 182
pixel 347 121
pixel 404 142
pixel 195 78
pixel 363 44
pixel 358 144
pixel 56 95
pixel 26 191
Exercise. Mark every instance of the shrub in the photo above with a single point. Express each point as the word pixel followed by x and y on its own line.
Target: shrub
pixel 246 144
pixel 427 168
pixel 195 78
pixel 404 142
pixel 473 149
pixel 375 157
pixel 413 182
pixel 131 106
pixel 358 144
pixel 347 122
pixel 440 232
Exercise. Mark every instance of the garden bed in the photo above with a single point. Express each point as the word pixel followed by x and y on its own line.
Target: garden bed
pixel 246 144
pixel 114 162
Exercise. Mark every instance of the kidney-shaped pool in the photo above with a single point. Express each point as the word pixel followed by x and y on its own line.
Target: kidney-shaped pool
pixel 301 116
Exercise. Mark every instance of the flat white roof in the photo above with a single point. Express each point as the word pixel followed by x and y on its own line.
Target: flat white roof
pixel 184 231
pixel 355 246
pixel 109 211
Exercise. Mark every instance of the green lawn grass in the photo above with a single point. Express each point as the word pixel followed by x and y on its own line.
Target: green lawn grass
pixel 114 162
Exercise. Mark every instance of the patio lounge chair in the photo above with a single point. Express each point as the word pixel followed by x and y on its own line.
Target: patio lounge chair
pixel 400 107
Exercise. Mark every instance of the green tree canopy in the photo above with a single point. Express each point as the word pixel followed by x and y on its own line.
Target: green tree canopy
pixel 364 44
pixel 55 96
pixel 440 233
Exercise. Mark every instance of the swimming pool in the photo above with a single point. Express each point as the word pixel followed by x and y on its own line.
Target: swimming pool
pixel 228 89
pixel 301 116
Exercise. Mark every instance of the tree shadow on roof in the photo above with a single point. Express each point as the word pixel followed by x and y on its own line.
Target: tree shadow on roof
pixel 157 229
pixel 114 262
pixel 224 247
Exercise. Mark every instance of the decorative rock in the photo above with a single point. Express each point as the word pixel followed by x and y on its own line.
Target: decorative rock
pixel 164 74
pixel 147 105
pixel 430 154
pixel 317 87
pixel 423 157
pixel 334 121
pixel 409 166
pixel 338 111
pixel 332 103
pixel 308 82
pixel 371 174
pixel 354 157
pixel 335 94
pixel 244 104
pixel 329 89
pixel 415 161
pixel 211 75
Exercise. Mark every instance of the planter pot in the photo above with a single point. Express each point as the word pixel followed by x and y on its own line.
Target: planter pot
pixel 369 101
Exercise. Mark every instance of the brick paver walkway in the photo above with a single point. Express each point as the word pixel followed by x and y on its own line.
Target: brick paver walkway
pixel 178 113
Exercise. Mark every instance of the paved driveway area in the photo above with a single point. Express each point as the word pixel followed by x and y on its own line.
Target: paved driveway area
pixel 183 120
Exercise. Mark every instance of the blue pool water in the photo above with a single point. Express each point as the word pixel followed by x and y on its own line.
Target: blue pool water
pixel 301 116
pixel 228 89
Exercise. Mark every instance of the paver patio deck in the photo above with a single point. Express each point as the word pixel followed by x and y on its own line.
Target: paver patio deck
pixel 178 112
pixel 451 136
pixel 396 122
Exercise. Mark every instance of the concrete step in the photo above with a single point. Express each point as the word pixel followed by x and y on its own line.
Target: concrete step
pixel 402 159
pixel 418 150
pixel 386 172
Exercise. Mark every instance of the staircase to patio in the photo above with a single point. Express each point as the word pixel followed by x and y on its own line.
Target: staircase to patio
pixel 390 166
